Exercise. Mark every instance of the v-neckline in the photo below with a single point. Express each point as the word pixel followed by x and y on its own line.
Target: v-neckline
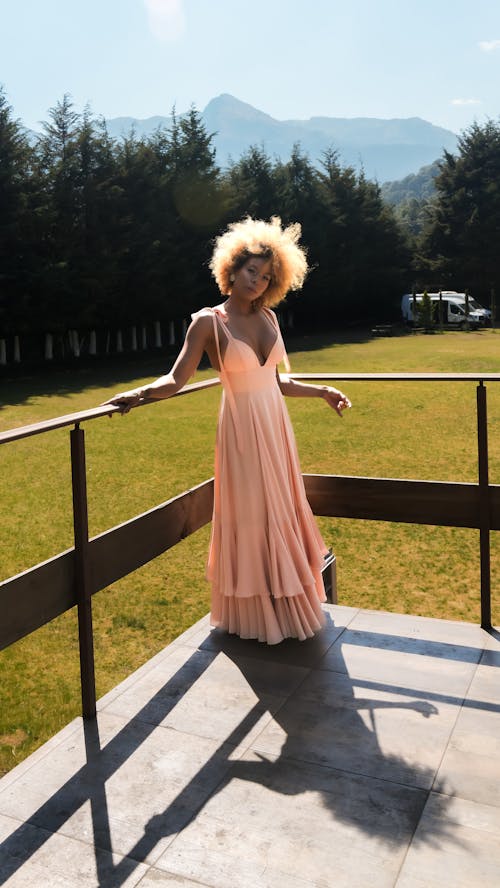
pixel 224 318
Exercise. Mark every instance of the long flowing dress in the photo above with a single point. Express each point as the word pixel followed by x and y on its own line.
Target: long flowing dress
pixel 266 552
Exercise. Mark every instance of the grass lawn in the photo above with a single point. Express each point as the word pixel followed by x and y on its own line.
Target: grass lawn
pixel 401 430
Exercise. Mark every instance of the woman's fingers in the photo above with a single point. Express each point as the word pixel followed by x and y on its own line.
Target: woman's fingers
pixel 125 401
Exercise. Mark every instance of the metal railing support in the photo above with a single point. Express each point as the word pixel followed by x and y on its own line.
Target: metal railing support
pixel 330 577
pixel 82 585
pixel 484 506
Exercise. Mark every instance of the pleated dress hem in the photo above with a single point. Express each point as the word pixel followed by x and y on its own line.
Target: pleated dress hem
pixel 270 620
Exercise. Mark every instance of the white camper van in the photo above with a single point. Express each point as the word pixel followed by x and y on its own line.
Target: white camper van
pixel 452 307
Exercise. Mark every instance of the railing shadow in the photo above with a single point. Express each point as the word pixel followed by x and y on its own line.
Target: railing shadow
pixel 22 383
pixel 89 373
pixel 88 784
pixel 312 756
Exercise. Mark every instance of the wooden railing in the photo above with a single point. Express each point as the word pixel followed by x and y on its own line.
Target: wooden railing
pixel 38 595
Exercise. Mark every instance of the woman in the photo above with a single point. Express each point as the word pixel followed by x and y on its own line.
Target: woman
pixel 266 552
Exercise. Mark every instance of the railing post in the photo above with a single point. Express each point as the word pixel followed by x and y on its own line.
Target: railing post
pixel 484 506
pixel 83 595
pixel 330 577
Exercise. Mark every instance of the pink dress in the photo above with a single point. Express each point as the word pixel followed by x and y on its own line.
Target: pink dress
pixel 266 552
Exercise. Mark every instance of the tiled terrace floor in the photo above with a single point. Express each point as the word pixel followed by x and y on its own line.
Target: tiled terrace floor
pixel 369 756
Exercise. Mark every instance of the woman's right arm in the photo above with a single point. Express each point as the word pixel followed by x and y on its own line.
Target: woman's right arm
pixel 198 338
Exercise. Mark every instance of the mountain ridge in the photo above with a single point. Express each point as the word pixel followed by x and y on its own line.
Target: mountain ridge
pixel 386 149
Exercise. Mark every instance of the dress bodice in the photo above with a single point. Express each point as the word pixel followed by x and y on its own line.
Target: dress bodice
pixel 241 371
pixel 239 356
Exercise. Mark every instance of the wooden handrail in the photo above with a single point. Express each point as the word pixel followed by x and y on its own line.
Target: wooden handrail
pixel 70 419
pixel 401 377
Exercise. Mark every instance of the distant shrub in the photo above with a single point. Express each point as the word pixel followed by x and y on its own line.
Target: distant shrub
pixel 426 312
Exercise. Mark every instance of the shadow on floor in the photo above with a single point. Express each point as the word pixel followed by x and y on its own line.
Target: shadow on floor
pixel 77 375
pixel 379 793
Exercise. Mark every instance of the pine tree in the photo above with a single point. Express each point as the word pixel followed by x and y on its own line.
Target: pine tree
pixel 14 171
pixel 57 169
pixel 425 312
pixel 460 241
pixel 363 258
pixel 252 186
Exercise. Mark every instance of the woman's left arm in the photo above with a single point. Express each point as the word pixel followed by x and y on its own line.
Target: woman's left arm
pixel 333 397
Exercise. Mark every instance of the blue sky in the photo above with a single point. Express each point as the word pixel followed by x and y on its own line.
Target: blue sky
pixel 436 59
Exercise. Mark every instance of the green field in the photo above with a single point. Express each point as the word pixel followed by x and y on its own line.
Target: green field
pixel 403 430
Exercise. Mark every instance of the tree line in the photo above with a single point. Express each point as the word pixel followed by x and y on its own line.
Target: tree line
pixel 450 213
pixel 104 244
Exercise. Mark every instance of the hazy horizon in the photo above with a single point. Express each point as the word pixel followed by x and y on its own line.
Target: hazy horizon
pixel 140 58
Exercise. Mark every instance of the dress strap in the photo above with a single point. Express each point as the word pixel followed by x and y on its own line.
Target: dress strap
pixel 225 380
pixel 270 315
pixel 216 335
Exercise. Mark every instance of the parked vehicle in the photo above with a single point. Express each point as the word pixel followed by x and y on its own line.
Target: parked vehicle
pixel 453 308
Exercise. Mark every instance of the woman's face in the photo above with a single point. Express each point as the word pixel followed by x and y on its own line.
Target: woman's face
pixel 252 279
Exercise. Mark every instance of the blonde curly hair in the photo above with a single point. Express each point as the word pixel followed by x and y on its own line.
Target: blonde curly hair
pixel 267 240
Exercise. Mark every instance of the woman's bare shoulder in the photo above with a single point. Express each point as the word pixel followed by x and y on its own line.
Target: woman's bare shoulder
pixel 203 319
pixel 202 313
pixel 201 324
pixel 208 311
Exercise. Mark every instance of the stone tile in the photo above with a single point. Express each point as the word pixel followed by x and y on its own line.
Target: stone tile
pixel 477 730
pixel 493 639
pixel 156 878
pixel 132 797
pixel 491 658
pixel 346 732
pixel 32 857
pixel 212 695
pixel 287 823
pixel 412 881
pixel 449 632
pixel 56 761
pixel 485 686
pixel 430 667
pixel 156 692
pixel 466 853
pixel 463 812
pixel 152 663
pixel 301 653
pixel 471 764
pixel 484 691
pixel 331 721
pixel 47 749
pixel 235 700
pixel 221 871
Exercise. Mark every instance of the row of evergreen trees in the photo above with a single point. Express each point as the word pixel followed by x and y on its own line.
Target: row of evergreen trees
pixel 102 235
pixel 453 225
pixel 461 234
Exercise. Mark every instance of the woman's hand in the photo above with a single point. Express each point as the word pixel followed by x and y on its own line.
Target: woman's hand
pixel 125 400
pixel 337 400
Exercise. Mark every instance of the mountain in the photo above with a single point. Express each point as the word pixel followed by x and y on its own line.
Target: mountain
pixel 418 185
pixel 385 149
